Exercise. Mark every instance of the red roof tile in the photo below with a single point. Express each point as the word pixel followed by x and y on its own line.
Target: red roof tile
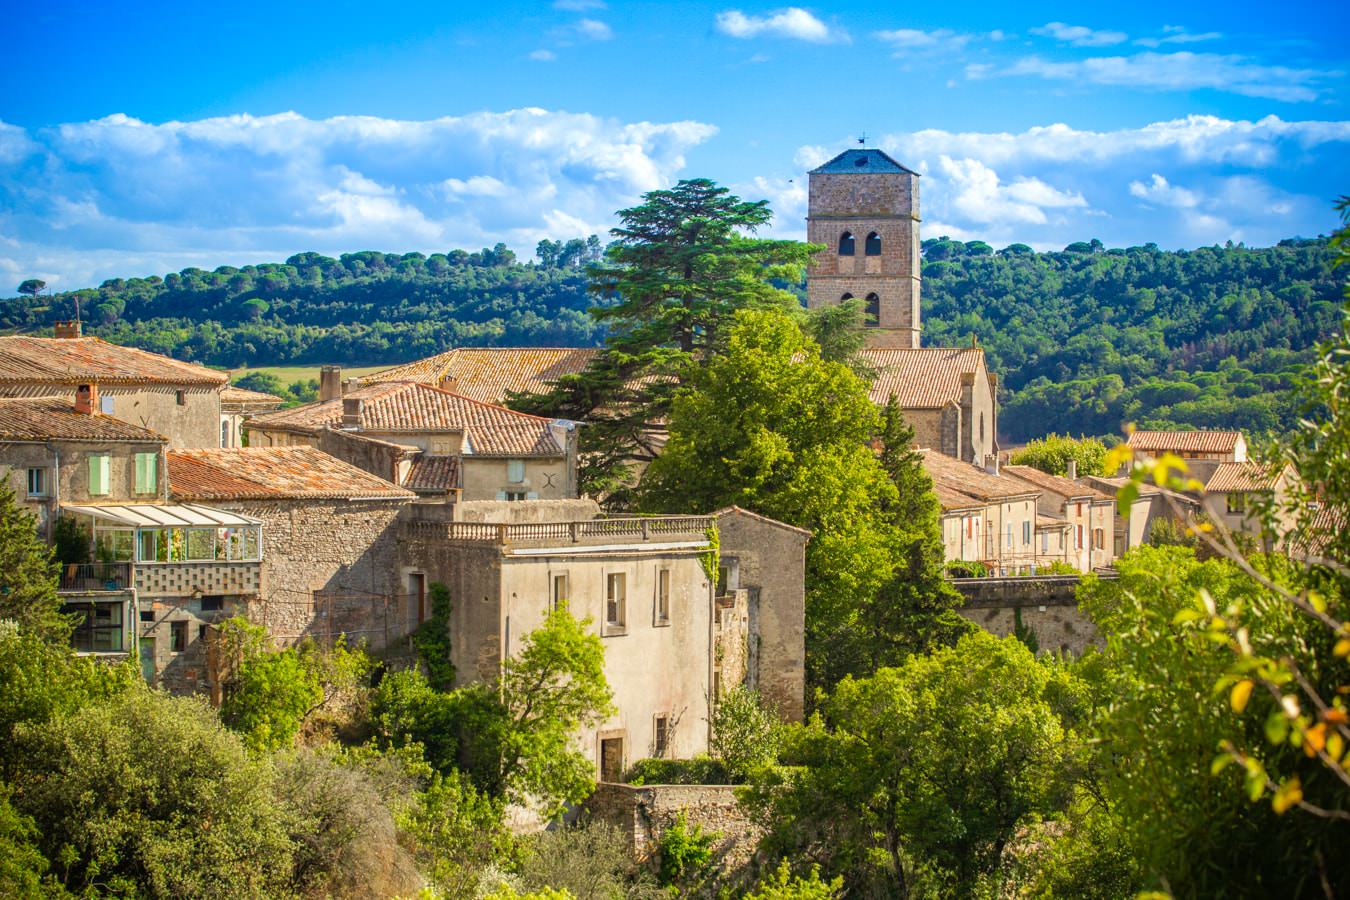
pixel 243 400
pixel 272 473
pixel 52 418
pixel 88 359
pixel 1184 441
pixel 962 477
pixel 1235 477
pixel 488 374
pixel 1054 484
pixel 925 378
pixel 408 407
pixel 433 474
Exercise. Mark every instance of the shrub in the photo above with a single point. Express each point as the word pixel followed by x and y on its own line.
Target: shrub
pixel 781 885
pixel 684 853
pixel 592 862
pixel 967 568
pixel 1052 454
pixel 745 733
pixel 702 769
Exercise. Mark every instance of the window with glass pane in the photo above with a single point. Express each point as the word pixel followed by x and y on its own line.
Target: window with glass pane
pixel 663 595
pixel 614 598
pixel 201 543
pixel 37 482
pixel 149 540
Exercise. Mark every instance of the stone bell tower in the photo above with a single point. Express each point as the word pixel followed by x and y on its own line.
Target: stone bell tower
pixel 864 207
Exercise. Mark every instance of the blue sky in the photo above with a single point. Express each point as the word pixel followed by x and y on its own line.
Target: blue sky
pixel 146 140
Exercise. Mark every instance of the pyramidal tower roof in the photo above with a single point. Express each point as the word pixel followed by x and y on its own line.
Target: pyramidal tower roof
pixel 861 162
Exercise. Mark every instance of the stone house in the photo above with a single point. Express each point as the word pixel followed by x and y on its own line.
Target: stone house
pixel 766 560
pixel 1088 512
pixel 61 457
pixel 1154 504
pixel 176 399
pixel 1002 532
pixel 438 443
pixel 963 525
pixel 947 395
pixel 1232 493
pixel 328 550
pixel 644 583
pixel 238 405
pixel 1204 451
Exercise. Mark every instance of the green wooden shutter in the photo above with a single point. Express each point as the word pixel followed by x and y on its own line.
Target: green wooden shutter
pixel 147 473
pixel 98 474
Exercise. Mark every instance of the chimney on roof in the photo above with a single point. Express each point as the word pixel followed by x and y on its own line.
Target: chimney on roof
pixel 86 399
pixel 330 383
pixel 351 411
pixel 449 383
pixel 1073 470
pixel 68 328
pixel 991 464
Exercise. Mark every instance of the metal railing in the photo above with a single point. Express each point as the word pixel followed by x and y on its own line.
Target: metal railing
pixel 639 527
pixel 112 576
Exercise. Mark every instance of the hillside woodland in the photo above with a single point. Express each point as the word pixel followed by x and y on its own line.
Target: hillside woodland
pixel 1084 339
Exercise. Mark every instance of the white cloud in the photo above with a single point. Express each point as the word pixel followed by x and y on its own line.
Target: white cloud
pixel 792 22
pixel 1185 182
pixel 1177 34
pixel 976 194
pixel 1080 35
pixel 542 55
pixel 1181 71
pixel 593 30
pixel 908 40
pixel 118 196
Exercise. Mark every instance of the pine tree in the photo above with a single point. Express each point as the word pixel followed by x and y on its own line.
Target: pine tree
pixel 29 573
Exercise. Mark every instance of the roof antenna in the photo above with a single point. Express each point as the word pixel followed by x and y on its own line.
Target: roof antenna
pixel 863 140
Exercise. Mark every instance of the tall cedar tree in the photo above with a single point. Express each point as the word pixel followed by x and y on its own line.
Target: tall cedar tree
pixel 681 265
pixel 28 573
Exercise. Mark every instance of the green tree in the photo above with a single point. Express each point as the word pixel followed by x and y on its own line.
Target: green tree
pixel 32 287
pixel 457 832
pixel 147 795
pixel 781 885
pixel 682 264
pixel 770 426
pixel 913 781
pixel 1053 453
pixel 28 572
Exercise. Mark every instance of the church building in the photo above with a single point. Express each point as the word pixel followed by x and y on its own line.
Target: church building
pixel 864 209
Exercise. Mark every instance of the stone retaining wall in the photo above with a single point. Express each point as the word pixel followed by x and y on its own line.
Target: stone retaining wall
pixel 643 812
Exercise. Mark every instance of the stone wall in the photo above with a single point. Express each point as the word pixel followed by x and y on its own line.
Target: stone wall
pixel 1046 605
pixel 644 813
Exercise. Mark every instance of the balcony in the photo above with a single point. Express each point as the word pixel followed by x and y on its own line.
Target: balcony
pixel 182 579
pixel 88 578
pixel 664 530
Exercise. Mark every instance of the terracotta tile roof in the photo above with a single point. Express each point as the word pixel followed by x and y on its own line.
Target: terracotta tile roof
pixel 1184 441
pixel 1054 484
pixel 436 474
pixel 54 419
pixel 272 473
pixel 243 400
pixel 960 477
pixel 89 359
pixel 409 407
pixel 1231 478
pixel 925 378
pixel 1044 521
pixel 487 374
pixel 953 500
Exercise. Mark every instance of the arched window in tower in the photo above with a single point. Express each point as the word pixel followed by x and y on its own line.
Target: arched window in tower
pixel 872 311
pixel 845 298
pixel 873 245
pixel 846 244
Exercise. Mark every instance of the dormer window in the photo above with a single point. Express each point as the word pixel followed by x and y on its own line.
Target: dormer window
pixel 846 244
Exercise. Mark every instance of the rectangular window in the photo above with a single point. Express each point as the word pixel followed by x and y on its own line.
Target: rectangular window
pixel 147 473
pixel 1026 532
pixel 615 599
pixel 1078 537
pixel 515 495
pixel 1009 530
pixel 37 482
pixel 213 603
pixel 178 636
pixel 1045 542
pixel 99 466
pixel 181 397
pixel 559 597
pixel 147 616
pixel 1099 539
pixel 662 737
pixel 1237 504
pixel 663 596
pixel 515 471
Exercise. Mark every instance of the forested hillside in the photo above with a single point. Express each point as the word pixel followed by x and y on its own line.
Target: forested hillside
pixel 1083 339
